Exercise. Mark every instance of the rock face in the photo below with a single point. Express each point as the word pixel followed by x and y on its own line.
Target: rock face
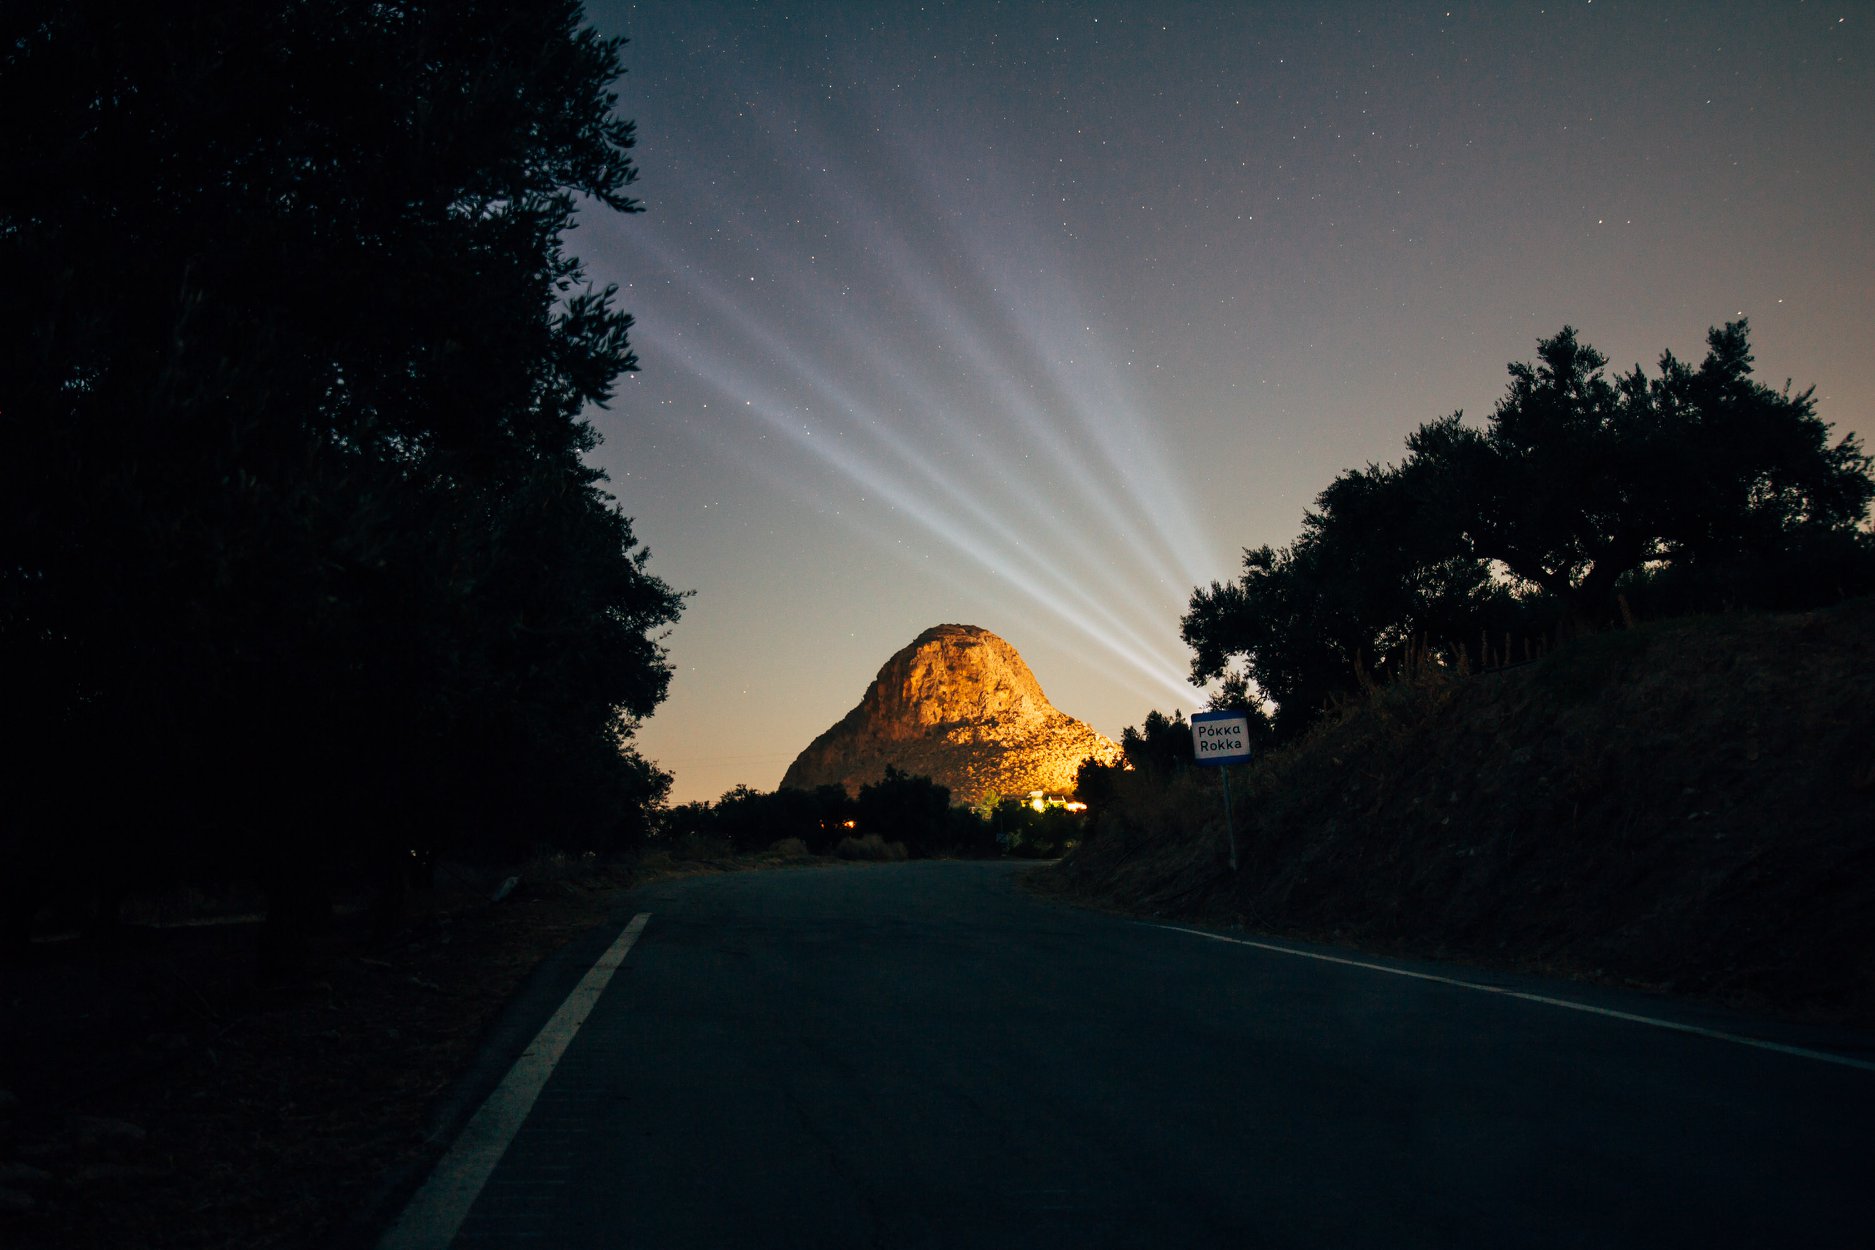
pixel 959 706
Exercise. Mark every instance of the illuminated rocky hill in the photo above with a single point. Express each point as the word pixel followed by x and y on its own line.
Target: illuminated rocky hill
pixel 959 706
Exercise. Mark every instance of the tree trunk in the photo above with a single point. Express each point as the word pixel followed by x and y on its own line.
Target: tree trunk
pixel 1591 607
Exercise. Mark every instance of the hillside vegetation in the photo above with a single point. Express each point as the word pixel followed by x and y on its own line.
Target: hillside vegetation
pixel 1687 806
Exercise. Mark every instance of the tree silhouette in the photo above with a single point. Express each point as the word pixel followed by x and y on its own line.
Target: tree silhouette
pixel 302 565
pixel 1378 576
pixel 1160 743
pixel 1580 480
pixel 909 808
pixel 1697 488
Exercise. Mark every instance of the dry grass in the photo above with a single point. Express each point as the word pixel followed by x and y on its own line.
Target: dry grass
pixel 1688 806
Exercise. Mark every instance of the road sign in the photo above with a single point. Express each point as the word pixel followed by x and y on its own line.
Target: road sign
pixel 1220 737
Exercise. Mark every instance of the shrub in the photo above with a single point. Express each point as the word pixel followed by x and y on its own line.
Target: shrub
pixel 914 808
pixel 871 847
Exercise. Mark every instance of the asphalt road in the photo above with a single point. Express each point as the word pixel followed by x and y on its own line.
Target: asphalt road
pixel 922 1055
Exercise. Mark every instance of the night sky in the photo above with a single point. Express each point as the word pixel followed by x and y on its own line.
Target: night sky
pixel 1032 316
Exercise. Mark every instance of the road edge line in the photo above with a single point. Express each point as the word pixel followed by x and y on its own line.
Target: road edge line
pixel 434 1214
pixel 1739 1039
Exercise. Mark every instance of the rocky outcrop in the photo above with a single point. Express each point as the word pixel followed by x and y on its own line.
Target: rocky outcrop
pixel 959 706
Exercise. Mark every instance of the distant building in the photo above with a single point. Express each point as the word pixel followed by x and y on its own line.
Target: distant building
pixel 1041 801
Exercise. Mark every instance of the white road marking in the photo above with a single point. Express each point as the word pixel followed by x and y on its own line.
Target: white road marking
pixel 1802 1052
pixel 436 1212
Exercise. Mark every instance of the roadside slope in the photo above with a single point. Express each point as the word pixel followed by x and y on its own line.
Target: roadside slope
pixel 1688 806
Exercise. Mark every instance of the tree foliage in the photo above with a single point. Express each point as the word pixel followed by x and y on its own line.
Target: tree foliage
pixel 905 807
pixel 1695 488
pixel 1160 743
pixel 753 820
pixel 1019 831
pixel 1581 479
pixel 900 807
pixel 302 559
pixel 1373 578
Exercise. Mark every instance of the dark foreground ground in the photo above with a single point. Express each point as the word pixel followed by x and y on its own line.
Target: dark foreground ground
pixel 915 1054
pixel 928 1055
pixel 157 1094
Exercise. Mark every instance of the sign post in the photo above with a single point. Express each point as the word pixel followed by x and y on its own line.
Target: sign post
pixel 1219 738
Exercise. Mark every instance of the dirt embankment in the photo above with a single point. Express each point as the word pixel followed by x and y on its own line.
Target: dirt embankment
pixel 1687 806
